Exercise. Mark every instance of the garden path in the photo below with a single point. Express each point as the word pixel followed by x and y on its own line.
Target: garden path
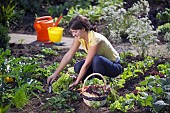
pixel 159 50
pixel 32 39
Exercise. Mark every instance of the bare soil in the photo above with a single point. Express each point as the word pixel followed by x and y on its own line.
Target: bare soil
pixel 39 105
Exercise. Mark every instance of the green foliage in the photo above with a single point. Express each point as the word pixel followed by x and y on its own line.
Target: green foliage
pixel 94 81
pixel 167 38
pixel 45 71
pixel 71 70
pixel 145 99
pixel 4 109
pixel 21 97
pixel 32 6
pixel 124 57
pixel 92 12
pixel 7 11
pixel 140 8
pixel 63 100
pixel 165 31
pixel 164 28
pixel 62 83
pixel 3 55
pixel 123 103
pixel 20 70
pixel 163 68
pixel 114 86
pixel 49 51
pixel 58 9
pixel 164 16
pixel 4 37
pixel 154 91
pixel 141 35
pixel 119 19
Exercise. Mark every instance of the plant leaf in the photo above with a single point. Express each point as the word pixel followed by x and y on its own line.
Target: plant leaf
pixel 159 105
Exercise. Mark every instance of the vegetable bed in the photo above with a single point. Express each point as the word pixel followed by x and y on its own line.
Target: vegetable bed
pixel 142 88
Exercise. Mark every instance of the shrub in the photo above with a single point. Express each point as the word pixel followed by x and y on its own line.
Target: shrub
pixel 4 37
pixel 167 38
pixel 164 31
pixel 32 6
pixel 164 16
pixel 120 19
pixel 7 11
pixel 164 28
pixel 141 35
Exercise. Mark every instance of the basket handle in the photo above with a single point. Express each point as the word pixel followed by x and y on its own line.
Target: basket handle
pixel 98 74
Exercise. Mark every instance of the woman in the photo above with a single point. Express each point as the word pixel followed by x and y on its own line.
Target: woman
pixel 101 56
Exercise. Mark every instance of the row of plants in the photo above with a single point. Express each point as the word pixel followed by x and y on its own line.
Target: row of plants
pixel 25 76
pixel 17 85
pixel 152 90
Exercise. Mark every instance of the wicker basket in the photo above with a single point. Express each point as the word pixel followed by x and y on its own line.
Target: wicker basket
pixel 91 99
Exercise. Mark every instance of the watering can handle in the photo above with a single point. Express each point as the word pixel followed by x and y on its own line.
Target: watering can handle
pixel 36 22
pixel 48 18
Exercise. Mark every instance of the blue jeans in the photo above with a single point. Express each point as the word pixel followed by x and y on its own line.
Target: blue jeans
pixel 100 65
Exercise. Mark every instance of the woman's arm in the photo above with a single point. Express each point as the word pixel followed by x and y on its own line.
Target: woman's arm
pixel 65 60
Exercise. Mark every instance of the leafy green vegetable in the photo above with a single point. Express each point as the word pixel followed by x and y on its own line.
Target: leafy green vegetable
pixel 94 81
pixel 62 83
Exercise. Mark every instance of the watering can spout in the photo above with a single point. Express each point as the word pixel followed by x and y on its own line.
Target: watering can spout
pixel 61 16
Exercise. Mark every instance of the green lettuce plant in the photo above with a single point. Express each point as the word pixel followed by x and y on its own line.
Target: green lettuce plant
pixel 63 100
pixel 124 103
pixel 62 83
pixel 154 91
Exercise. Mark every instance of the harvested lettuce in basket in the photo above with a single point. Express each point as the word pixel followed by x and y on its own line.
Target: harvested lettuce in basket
pixel 94 81
pixel 62 83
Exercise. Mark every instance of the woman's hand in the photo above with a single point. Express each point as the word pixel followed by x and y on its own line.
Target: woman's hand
pixel 51 79
pixel 71 86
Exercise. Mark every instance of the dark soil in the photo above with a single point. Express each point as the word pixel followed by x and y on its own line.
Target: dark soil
pixel 38 105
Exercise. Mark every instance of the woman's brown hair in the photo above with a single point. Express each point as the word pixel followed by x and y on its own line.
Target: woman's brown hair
pixel 80 22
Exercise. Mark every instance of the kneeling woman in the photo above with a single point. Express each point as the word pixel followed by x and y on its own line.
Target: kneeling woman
pixel 101 56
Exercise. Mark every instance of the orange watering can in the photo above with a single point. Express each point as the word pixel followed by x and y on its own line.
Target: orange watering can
pixel 42 24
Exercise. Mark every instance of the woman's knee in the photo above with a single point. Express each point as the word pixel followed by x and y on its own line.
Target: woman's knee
pixel 96 60
pixel 78 66
pixel 118 70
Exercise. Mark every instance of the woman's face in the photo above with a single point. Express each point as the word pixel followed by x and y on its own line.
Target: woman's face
pixel 77 33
